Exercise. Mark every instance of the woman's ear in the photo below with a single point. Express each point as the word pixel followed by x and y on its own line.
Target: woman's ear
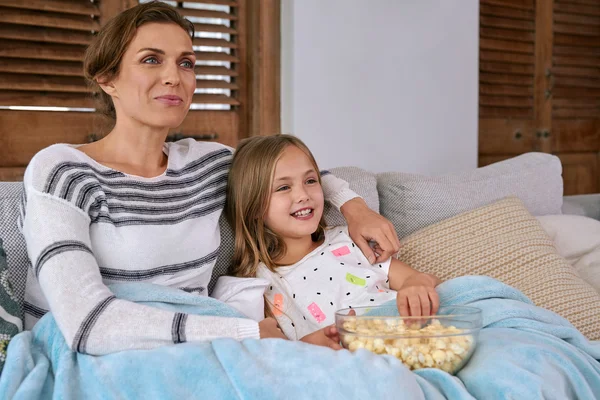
pixel 107 85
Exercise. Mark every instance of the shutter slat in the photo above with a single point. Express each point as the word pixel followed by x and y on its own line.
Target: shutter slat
pixel 575 92
pixel 487 55
pixel 578 41
pixel 577 9
pixel 71 100
pixel 576 102
pixel 506 90
pixel 53 35
pixel 495 11
pixel 507 34
pixel 193 12
pixel 214 99
pixel 46 51
pixel 506 45
pixel 565 81
pixel 577 19
pixel 214 28
pixel 506 68
pixel 515 80
pixel 516 4
pixel 62 6
pixel 505 112
pixel 571 113
pixel 582 30
pixel 43 83
pixel 215 56
pixel 577 71
pixel 215 84
pixel 506 101
pixel 209 70
pixel 24 66
pixel 214 43
pixel 576 51
pixel 51 20
pixel 578 61
pixel 506 23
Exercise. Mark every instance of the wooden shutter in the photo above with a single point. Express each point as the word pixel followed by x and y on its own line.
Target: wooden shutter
pixel 506 78
pixel 217 111
pixel 575 88
pixel 540 84
pixel 42 43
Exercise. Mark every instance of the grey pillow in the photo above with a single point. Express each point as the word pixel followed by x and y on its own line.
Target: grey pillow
pixel 362 182
pixel 412 202
pixel 11 321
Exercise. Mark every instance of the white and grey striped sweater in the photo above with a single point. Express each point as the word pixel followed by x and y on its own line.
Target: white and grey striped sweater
pixel 87 226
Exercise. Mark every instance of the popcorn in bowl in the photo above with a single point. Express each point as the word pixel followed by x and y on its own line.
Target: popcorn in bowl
pixel 445 341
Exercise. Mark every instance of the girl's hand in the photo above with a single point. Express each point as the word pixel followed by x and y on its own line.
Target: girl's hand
pixel 268 328
pixel 417 300
pixel 366 225
pixel 327 337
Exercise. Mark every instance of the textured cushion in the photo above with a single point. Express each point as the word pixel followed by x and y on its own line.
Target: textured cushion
pixel 362 182
pixel 14 242
pixel 11 316
pixel 412 202
pixel 504 241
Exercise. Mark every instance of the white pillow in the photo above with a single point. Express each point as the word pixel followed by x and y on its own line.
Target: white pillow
pixel 243 294
pixel 577 238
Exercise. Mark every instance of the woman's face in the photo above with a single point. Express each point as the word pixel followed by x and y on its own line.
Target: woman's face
pixel 156 80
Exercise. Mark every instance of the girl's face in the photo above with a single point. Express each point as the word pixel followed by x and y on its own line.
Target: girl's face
pixel 156 78
pixel 296 203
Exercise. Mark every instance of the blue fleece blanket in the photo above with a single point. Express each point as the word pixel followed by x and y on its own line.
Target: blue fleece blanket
pixel 524 352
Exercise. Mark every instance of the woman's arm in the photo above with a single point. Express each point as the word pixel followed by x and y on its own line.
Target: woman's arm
pixel 364 224
pixel 89 316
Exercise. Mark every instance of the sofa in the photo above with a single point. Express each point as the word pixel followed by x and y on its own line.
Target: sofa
pixel 526 191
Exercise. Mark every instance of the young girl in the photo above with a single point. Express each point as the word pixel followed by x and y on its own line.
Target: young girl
pixel 275 204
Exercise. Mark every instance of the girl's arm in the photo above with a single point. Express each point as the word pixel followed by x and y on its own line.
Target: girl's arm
pixel 416 290
pixel 364 224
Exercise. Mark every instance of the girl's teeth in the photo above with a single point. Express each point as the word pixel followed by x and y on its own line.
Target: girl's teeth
pixel 302 213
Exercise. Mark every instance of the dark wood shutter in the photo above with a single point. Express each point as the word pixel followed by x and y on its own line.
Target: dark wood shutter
pixel 575 88
pixel 506 77
pixel 42 43
pixel 540 84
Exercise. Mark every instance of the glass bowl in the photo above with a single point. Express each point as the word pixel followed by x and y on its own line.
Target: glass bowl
pixel 445 341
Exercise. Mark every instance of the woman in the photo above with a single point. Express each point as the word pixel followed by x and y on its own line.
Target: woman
pixel 131 207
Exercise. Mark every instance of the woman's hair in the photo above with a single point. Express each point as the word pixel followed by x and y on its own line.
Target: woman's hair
pixel 103 56
pixel 248 194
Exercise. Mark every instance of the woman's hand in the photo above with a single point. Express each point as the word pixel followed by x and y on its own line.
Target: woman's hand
pixel 366 225
pixel 327 337
pixel 417 299
pixel 269 329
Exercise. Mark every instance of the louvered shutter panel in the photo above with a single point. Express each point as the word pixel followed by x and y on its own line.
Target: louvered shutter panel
pixel 42 43
pixel 506 78
pixel 217 109
pixel 576 92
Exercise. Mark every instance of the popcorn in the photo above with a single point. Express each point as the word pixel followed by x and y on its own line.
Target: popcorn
pixel 423 347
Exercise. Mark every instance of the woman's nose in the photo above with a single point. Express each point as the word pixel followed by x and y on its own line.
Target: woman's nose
pixel 171 75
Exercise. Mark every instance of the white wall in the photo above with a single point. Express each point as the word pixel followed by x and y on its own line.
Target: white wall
pixel 386 85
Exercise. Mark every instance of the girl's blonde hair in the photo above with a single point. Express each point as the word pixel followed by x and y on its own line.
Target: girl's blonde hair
pixel 248 194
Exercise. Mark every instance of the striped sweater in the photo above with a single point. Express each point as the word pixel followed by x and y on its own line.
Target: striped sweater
pixel 87 226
